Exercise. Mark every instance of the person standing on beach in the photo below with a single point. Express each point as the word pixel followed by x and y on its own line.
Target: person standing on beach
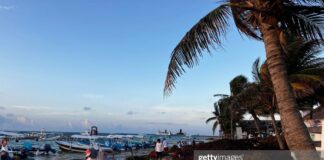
pixel 88 154
pixel 165 145
pixel 159 149
pixel 5 149
pixel 4 145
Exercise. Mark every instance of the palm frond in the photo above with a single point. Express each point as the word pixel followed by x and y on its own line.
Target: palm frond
pixel 310 2
pixel 210 119
pixel 221 95
pixel 302 90
pixel 256 70
pixel 214 127
pixel 309 79
pixel 243 26
pixel 305 21
pixel 313 71
pixel 205 34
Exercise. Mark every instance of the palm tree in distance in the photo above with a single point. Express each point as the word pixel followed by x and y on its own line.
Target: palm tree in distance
pixel 268 21
pixel 215 118
pixel 225 116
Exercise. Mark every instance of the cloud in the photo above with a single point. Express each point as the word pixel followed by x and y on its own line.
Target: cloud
pixel 62 113
pixel 70 124
pixel 87 108
pixel 32 107
pixel 10 115
pixel 166 123
pixel 130 113
pixel 91 96
pixel 6 8
pixel 86 123
pixel 2 108
pixel 24 120
pixel 3 119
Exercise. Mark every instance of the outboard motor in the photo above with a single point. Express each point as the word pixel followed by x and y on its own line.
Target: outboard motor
pixel 48 148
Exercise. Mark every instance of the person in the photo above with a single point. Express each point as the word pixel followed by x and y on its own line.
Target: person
pixel 194 143
pixel 165 145
pixel 5 149
pixel 4 145
pixel 159 149
pixel 179 144
pixel 88 154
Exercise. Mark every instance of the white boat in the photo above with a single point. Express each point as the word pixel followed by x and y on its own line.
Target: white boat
pixel 164 133
pixel 80 143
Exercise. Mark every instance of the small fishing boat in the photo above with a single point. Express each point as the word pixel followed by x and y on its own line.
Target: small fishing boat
pixel 80 143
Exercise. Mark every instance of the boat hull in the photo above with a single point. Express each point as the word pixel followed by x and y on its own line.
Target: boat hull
pixel 78 148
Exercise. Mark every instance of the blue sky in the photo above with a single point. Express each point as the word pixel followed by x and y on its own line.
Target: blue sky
pixel 66 65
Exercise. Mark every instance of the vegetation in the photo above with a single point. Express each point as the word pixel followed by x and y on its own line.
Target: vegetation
pixel 268 21
pixel 305 74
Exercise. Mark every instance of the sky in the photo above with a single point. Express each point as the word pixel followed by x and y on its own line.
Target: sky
pixel 67 65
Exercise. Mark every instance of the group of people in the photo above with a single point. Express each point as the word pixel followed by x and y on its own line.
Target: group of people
pixel 161 147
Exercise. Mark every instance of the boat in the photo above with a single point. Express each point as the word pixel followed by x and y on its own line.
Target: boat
pixel 45 136
pixel 169 133
pixel 80 143
pixel 164 133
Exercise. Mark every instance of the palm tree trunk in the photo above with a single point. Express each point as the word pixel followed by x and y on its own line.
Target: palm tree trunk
pixel 295 131
pixel 256 121
pixel 273 120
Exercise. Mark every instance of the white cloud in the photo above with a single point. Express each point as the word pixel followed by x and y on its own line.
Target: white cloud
pixel 70 124
pixel 92 96
pixel 24 120
pixel 31 107
pixel 61 113
pixel 6 8
pixel 180 114
pixel 87 123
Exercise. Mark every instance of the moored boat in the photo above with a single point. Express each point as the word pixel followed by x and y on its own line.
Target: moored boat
pixel 80 143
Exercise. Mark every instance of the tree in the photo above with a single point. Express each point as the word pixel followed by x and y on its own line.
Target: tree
pixel 245 102
pixel 225 115
pixel 215 118
pixel 305 74
pixel 268 21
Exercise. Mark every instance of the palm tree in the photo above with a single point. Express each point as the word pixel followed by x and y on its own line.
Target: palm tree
pixel 263 91
pixel 305 71
pixel 225 115
pixel 266 20
pixel 239 85
pixel 215 118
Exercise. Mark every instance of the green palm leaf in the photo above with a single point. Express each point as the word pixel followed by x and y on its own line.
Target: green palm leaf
pixel 210 119
pixel 207 32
